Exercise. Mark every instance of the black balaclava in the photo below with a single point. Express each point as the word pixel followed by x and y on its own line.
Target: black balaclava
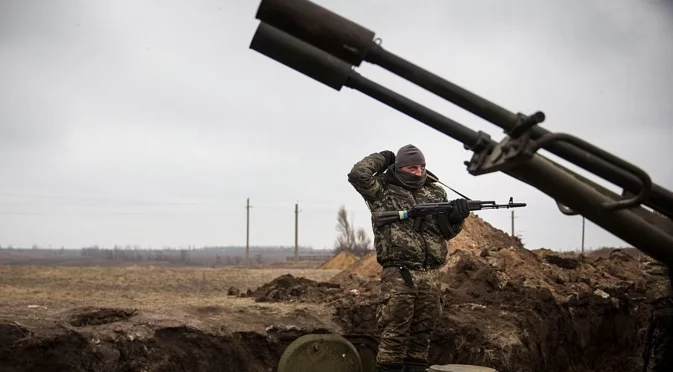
pixel 409 155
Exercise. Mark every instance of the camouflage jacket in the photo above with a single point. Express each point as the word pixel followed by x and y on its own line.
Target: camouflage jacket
pixel 398 243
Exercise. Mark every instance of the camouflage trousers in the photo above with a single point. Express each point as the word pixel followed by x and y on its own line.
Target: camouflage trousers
pixel 407 315
pixel 662 342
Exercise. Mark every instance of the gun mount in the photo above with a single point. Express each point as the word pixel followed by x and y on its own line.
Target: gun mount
pixel 327 47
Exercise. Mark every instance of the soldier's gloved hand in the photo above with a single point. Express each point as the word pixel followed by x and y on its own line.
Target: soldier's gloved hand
pixel 390 158
pixel 460 211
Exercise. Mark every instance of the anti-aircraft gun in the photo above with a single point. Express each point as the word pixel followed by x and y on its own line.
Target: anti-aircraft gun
pixel 327 47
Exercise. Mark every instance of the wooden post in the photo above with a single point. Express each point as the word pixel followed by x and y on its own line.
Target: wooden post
pixel 512 224
pixel 582 234
pixel 247 232
pixel 296 232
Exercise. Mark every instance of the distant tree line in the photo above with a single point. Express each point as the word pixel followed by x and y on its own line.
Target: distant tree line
pixel 175 256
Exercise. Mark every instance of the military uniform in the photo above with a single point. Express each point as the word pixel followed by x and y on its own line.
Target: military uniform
pixel 410 281
pixel 660 327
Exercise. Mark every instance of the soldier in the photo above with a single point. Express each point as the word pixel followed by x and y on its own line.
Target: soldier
pixel 410 280
pixel 659 336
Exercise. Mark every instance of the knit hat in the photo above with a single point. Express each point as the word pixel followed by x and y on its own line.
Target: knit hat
pixel 409 155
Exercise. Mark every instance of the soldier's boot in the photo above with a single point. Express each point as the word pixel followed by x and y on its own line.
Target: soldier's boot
pixel 415 365
pixel 385 367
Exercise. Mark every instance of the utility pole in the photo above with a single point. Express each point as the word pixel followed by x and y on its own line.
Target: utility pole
pixel 247 232
pixel 512 223
pixel 582 234
pixel 296 232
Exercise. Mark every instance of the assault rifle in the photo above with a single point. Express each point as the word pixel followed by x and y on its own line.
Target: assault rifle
pixel 327 47
pixel 421 210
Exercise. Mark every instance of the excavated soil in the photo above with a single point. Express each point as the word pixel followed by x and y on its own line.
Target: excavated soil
pixel 290 289
pixel 504 307
pixel 340 261
pixel 514 309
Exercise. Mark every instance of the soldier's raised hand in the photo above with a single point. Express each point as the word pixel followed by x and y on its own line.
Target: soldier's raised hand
pixel 390 157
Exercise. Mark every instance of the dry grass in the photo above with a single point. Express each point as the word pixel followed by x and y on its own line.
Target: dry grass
pixel 138 286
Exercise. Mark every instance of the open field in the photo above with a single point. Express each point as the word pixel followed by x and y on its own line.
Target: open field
pixel 133 305
pixel 49 290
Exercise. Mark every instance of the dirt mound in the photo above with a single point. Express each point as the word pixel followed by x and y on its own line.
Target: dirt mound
pixel 498 317
pixel 605 252
pixel 365 268
pixel 100 316
pixel 477 235
pixel 545 310
pixel 340 261
pixel 514 309
pixel 289 288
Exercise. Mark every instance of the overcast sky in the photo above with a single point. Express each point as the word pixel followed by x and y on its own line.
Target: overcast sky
pixel 151 122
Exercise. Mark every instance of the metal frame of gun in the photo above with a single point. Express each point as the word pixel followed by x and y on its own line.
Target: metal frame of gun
pixel 326 47
pixel 428 209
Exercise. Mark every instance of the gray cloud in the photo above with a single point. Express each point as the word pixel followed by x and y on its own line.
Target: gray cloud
pixel 134 122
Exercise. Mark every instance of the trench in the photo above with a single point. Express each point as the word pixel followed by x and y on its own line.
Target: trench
pixel 169 349
pixel 586 334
